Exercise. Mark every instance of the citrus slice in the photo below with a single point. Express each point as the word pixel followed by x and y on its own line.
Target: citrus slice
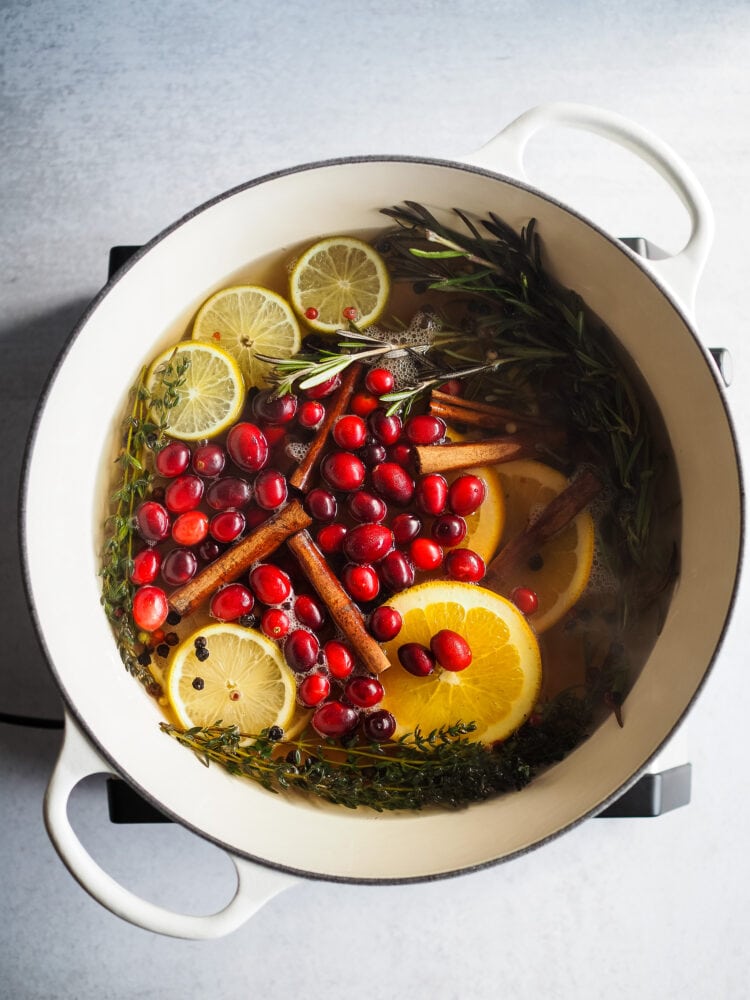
pixel 559 572
pixel 244 681
pixel 212 392
pixel 334 276
pixel 484 528
pixel 247 320
pixel 498 689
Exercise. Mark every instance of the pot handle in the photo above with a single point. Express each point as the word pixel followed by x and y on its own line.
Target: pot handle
pixel 256 885
pixel 681 272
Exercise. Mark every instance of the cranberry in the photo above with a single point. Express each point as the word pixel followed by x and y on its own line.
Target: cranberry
pixel 334 719
pixel 183 493
pixel 150 608
pixel 396 571
pixel 273 433
pixel 424 429
pixel 270 584
pixel 464 565
pixel 426 554
pixel 417 659
pixel 178 567
pixel 378 726
pixel 314 689
pixel 321 505
pixel 379 381
pixel 231 602
pixel 173 459
pixel 255 516
pixel 466 494
pixel 190 528
pixel 451 650
pixel 366 507
pixel 385 429
pixel 400 453
pixel 448 530
pixel 431 493
pixel 343 471
pixel 323 389
pixel 385 623
pixel 393 483
pixel 349 432
pixel 367 543
pixel 350 312
pixel 330 538
pixel 310 414
pixel 209 550
pixel 405 527
pixel 364 692
pixel 229 491
pixel 274 623
pixel 363 403
pixel 146 565
pixel 361 582
pixel 270 489
pixel 452 387
pixel 339 659
pixel 247 446
pixel 309 612
pixel 152 521
pixel 525 600
pixel 301 650
pixel 274 409
pixel 226 526
pixel 209 460
pixel 311 312
pixel 373 454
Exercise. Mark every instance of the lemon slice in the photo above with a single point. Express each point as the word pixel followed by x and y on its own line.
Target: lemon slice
pixel 244 681
pixel 337 274
pixel 562 567
pixel 498 689
pixel 247 320
pixel 211 396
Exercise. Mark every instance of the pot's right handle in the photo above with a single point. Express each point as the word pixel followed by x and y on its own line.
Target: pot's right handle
pixel 505 154
pixel 256 885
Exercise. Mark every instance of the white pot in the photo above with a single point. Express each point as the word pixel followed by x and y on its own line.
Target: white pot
pixel 112 726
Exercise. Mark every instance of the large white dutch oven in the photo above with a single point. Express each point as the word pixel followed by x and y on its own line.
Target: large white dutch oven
pixel 271 839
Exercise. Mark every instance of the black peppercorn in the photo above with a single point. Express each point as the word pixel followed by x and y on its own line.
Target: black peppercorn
pixel 198 683
pixel 201 653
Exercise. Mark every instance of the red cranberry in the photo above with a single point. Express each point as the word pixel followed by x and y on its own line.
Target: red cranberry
pixel 323 389
pixel 364 692
pixel 466 494
pixel 226 526
pixel 301 650
pixel 209 550
pixel 396 571
pixel 363 403
pixel 209 460
pixel 349 432
pixel 309 613
pixel 379 381
pixel 173 459
pixel 334 719
pixel 146 565
pixel 448 530
pixel 424 429
pixel 361 582
pixel 270 489
pixel 367 543
pixel 274 433
pixel 426 554
pixel 314 689
pixel 152 521
pixel 339 659
pixel 343 471
pixel 255 516
pixel 150 608
pixel 190 528
pixel 431 493
pixel 400 453
pixel 378 726
pixel 247 446
pixel 330 538
pixel 525 600
pixel 274 409
pixel 270 584
pixel 385 429
pixel 229 491
pixel 385 623
pixel 274 623
pixel 451 650
pixel 321 505
pixel 179 566
pixel 393 483
pixel 310 414
pixel 373 454
pixel 417 659
pixel 183 493
pixel 405 527
pixel 231 602
pixel 351 313
pixel 464 565
pixel 452 387
pixel 366 507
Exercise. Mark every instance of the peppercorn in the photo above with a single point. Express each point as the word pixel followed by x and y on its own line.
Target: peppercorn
pixel 201 653
pixel 275 733
pixel 198 683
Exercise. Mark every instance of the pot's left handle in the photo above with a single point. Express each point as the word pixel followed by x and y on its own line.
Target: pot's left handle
pixel 256 885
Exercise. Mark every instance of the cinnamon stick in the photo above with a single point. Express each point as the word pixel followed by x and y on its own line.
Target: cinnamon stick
pixel 261 542
pixel 555 516
pixel 474 418
pixel 339 402
pixel 487 451
pixel 474 406
pixel 342 608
